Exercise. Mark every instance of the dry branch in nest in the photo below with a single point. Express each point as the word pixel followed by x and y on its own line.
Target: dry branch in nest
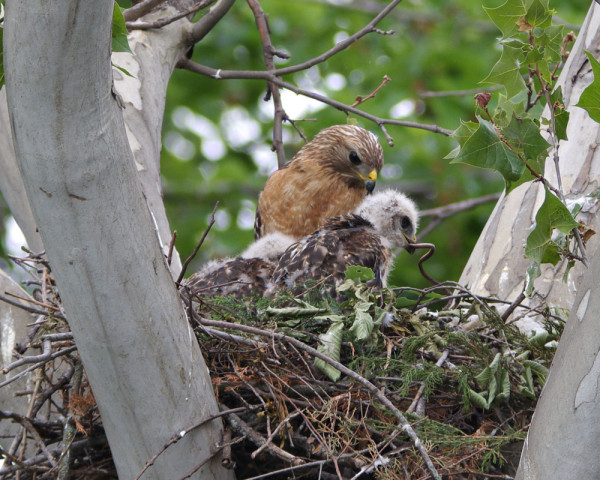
pixel 385 385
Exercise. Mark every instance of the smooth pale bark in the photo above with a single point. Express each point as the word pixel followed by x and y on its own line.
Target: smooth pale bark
pixel 565 431
pixel 11 184
pixel 143 362
pixel 13 321
pixel 497 266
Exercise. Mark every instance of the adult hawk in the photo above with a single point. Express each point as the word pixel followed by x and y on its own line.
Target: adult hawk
pixel 328 177
pixel 382 222
pixel 241 276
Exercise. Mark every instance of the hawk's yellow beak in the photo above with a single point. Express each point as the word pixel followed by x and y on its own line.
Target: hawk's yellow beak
pixel 369 180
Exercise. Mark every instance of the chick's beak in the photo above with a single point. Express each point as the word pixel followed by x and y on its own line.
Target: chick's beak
pixel 409 241
pixel 370 186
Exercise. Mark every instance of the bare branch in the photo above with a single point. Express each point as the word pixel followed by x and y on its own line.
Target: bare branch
pixel 361 99
pixel 268 52
pixel 459 93
pixel 209 20
pixel 141 9
pixel 211 222
pixel 369 28
pixel 166 21
pixel 219 74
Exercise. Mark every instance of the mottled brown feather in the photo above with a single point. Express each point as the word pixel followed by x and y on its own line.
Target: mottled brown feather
pixel 325 255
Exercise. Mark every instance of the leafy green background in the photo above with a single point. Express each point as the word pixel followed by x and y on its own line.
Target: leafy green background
pixel 217 134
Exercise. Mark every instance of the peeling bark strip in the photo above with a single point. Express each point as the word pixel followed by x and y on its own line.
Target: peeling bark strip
pixel 144 365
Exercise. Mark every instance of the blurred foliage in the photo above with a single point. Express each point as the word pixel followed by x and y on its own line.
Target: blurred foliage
pixel 217 134
pixel 437 47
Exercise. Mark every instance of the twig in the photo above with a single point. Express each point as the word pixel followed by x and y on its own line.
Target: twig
pixel 459 93
pixel 556 159
pixel 405 425
pixel 274 433
pixel 361 99
pixel 166 21
pixel 46 351
pixel 178 436
pixel 31 309
pixel 141 9
pixel 69 428
pixel 171 247
pixel 38 365
pixel 252 435
pixel 268 53
pixel 419 394
pixel 219 74
pixel 211 222
pixel 209 20
pixel 513 305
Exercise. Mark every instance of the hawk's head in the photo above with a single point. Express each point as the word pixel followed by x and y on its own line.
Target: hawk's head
pixel 347 151
pixel 393 215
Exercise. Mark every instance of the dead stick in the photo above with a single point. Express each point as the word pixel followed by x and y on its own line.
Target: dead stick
pixel 405 425
pixel 211 222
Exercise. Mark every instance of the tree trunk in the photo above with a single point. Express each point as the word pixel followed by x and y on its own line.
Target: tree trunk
pixel 563 440
pixel 497 266
pixel 141 358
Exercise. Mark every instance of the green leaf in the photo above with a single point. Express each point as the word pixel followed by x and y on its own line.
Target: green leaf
pixel 504 384
pixel 552 214
pixel 363 322
pixel 478 400
pixel 485 150
pixel 506 72
pixel 505 16
pixel 538 15
pixel 524 135
pixel 331 345
pixel 356 272
pixel 590 98
pixel 119 31
pixel 561 116
pixel 461 135
pixel 540 371
pixel 533 272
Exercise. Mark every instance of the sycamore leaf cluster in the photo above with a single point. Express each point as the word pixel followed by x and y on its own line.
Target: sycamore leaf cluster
pixel 512 138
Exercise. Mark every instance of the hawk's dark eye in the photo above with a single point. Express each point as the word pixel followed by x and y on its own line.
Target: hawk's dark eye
pixel 354 158
pixel 406 223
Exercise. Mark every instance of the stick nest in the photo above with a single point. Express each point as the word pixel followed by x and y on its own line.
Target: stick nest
pixel 400 383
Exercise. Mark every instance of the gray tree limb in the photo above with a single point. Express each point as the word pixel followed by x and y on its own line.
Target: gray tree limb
pixel 142 359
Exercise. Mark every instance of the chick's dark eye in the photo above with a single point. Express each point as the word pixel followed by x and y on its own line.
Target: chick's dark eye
pixel 354 158
pixel 406 223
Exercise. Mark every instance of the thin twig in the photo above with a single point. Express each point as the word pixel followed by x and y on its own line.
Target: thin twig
pixel 171 247
pixel 38 365
pixel 31 309
pixel 252 435
pixel 268 53
pixel 141 9
pixel 219 74
pixel 405 425
pixel 166 21
pixel 459 93
pixel 179 435
pixel 513 305
pixel 360 99
pixel 211 222
pixel 419 394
